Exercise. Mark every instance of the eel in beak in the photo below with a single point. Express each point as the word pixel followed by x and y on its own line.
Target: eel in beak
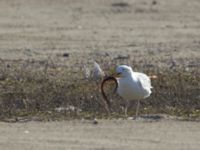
pixel 109 78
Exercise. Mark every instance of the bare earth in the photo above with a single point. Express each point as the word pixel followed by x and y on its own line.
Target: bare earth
pixel 107 135
pixel 39 28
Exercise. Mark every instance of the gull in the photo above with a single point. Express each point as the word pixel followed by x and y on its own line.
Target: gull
pixel 97 72
pixel 132 85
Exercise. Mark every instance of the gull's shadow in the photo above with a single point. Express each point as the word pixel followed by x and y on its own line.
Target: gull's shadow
pixel 148 118
pixel 152 117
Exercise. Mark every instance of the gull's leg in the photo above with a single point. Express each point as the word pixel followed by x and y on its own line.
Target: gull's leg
pixel 137 109
pixel 126 108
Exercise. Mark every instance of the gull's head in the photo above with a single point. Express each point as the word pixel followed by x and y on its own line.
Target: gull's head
pixel 123 71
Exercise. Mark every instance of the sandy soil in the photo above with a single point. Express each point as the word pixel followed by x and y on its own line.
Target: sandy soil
pixel 36 29
pixel 107 135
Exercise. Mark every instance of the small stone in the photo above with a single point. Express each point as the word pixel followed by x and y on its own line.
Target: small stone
pixel 95 121
pixel 26 131
pixel 66 55
pixel 154 2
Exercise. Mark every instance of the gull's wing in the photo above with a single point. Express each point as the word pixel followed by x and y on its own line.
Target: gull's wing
pixel 97 72
pixel 94 73
pixel 144 80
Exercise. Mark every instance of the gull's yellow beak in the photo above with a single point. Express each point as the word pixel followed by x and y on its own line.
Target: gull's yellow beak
pixel 117 75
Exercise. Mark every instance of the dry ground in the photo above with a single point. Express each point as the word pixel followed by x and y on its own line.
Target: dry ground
pixel 146 30
pixel 37 29
pixel 107 135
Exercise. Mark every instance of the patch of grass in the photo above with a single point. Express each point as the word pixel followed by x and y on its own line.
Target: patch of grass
pixel 59 92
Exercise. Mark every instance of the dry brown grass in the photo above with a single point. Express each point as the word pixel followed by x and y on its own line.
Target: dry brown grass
pixel 144 34
pixel 59 92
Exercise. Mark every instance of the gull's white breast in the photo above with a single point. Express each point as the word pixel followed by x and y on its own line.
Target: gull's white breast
pixel 135 86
